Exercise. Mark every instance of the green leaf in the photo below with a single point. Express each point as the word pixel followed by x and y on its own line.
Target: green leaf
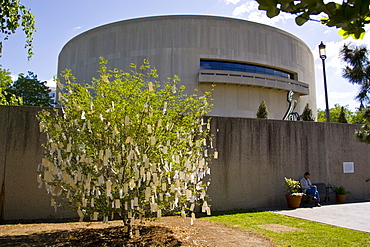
pixel 331 8
pixel 343 33
pixel 337 21
pixel 359 34
pixel 272 12
pixel 13 16
pixel 300 20
pixel 351 13
pixel 324 20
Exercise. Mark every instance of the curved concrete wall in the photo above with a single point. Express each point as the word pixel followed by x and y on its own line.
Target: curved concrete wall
pixel 176 44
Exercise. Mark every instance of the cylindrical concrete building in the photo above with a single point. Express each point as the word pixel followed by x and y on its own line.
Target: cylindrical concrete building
pixel 248 62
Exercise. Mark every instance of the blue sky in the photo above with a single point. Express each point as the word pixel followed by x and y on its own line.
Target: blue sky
pixel 58 21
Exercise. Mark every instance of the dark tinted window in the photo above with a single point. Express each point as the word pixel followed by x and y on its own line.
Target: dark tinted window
pixel 250 69
pixel 241 67
pixel 286 75
pixel 269 71
pixel 205 65
pixel 230 66
pixel 260 70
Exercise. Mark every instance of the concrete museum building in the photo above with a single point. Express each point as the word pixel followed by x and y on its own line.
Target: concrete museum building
pixel 248 62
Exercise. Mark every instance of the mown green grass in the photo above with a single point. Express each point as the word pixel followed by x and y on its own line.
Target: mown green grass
pixel 308 233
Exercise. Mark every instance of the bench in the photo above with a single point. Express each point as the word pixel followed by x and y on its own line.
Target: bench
pixel 307 199
pixel 326 193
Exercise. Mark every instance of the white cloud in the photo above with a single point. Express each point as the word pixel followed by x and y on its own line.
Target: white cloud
pixel 333 60
pixel 14 77
pixel 342 95
pixel 340 98
pixel 50 83
pixel 76 28
pixel 332 52
pixel 336 1
pixel 240 10
pixel 250 11
pixel 232 1
pixel 343 99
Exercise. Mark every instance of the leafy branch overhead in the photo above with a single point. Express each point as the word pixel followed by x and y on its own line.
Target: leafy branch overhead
pixel 14 15
pixel 351 16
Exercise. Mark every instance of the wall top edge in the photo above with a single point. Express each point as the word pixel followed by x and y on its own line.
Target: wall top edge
pixel 181 16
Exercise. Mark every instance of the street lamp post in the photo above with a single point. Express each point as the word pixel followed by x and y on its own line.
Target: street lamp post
pixel 322 53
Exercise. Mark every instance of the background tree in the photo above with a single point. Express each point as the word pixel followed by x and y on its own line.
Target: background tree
pixel 33 91
pixel 5 78
pixel 13 16
pixel 127 145
pixel 363 134
pixel 358 117
pixel 351 16
pixel 357 70
pixel 352 117
pixel 342 116
pixel 307 114
pixel 262 111
pixel 7 98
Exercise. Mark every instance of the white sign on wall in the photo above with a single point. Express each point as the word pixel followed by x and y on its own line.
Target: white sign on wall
pixel 348 167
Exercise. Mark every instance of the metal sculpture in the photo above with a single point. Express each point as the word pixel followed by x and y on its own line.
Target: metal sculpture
pixel 290 115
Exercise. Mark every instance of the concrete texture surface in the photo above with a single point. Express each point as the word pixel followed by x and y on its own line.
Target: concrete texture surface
pixel 351 215
pixel 20 154
pixel 254 157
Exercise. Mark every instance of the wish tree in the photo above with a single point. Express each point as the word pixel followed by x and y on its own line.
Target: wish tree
pixel 127 145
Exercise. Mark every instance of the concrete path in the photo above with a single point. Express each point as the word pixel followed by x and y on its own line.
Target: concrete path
pixel 354 215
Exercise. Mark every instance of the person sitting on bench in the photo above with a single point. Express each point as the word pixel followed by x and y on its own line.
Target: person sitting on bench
pixel 308 188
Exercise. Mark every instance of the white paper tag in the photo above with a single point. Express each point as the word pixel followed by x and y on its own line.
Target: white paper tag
pixel 95 216
pixel 150 86
pixel 117 203
pixel 215 155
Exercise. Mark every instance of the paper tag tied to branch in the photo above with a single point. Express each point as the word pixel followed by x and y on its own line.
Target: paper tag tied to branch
pixel 127 120
pixel 164 107
pixel 80 214
pixel 108 187
pixel 152 140
pixel 149 129
pixel 150 86
pixel 192 219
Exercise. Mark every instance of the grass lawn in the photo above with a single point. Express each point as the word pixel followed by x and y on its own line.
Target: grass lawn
pixel 288 231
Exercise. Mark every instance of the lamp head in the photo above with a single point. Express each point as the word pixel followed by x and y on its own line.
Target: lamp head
pixel 322 51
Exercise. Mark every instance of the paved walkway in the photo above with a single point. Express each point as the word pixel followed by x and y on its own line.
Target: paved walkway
pixel 352 215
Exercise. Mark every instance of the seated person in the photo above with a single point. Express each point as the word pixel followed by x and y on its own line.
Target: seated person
pixel 308 188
